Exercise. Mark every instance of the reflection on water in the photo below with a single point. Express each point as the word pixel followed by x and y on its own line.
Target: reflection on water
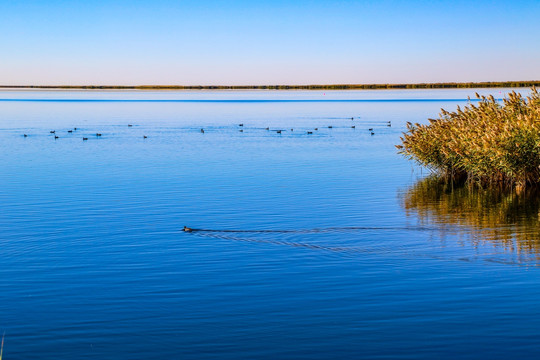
pixel 504 217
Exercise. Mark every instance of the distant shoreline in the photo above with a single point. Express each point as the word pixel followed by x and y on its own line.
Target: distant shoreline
pixel 449 85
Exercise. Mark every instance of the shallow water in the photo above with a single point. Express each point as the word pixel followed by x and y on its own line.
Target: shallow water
pixel 336 247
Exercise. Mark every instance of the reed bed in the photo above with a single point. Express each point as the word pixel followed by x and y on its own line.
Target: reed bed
pixel 487 143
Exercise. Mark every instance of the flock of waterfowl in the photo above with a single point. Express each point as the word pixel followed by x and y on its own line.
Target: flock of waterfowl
pixel 241 126
pixel 309 132
pixel 53 132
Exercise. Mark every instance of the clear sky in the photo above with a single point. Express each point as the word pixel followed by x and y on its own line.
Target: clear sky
pixel 267 42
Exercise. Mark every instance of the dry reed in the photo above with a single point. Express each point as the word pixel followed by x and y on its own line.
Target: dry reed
pixel 490 143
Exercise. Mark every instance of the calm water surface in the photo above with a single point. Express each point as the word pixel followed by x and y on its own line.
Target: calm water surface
pixel 337 247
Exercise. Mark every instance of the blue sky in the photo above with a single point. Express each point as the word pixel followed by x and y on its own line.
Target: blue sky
pixel 267 42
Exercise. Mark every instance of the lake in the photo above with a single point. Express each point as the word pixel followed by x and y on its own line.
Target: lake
pixel 319 245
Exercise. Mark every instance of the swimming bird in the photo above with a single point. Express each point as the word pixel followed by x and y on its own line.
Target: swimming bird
pixel 74 128
pixel 84 139
pixel 186 229
pixel 129 125
pixel 70 131
pixel 98 134
pixel 354 127
pixel 310 132
pixel 145 137
pixel 241 130
pixel 352 118
pixel 240 124
pixel 202 131
pixel 370 129
pixel 330 127
pixel 55 137
pixel 372 133
pixel 25 135
pixel 292 129
pixel 52 131
pixel 278 131
pixel 267 128
pixel 316 129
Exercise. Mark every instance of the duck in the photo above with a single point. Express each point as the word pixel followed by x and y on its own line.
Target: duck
pixel 370 129
pixel 186 229
pixel 353 127
pixel 25 135
pixel 316 129
pixel 330 126
pixel 145 137
pixel 278 131
pixel 202 131
pixel 84 139
pixel 70 131
pixel 98 134
pixel 52 131
pixel 55 137
pixel 240 124
pixel 372 133
pixel 310 132
pixel 267 128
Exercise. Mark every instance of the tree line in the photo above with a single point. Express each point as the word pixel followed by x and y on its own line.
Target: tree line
pixel 448 85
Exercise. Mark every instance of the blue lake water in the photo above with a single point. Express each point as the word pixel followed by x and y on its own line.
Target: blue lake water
pixel 335 245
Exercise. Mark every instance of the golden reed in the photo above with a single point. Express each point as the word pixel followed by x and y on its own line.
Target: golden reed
pixel 490 143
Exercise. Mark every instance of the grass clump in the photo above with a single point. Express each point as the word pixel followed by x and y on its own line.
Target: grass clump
pixel 490 143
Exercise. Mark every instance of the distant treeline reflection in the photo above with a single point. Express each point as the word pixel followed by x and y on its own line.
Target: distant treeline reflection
pixel 504 216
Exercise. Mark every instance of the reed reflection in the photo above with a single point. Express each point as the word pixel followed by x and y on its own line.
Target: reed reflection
pixel 504 217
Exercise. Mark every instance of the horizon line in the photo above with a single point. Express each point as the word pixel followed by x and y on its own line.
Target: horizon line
pixel 423 85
